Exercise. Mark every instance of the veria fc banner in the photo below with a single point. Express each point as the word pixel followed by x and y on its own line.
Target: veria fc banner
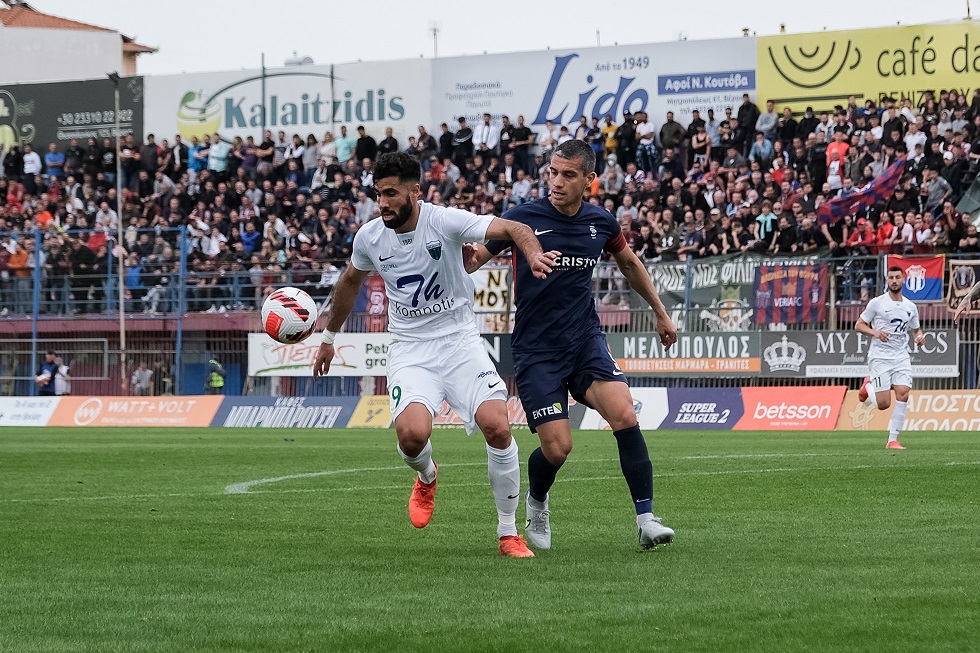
pixel 790 294
pixel 923 276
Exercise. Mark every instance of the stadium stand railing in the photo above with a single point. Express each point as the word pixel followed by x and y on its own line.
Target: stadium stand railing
pixel 180 314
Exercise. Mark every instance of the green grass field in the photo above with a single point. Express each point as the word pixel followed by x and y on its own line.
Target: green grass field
pixel 119 540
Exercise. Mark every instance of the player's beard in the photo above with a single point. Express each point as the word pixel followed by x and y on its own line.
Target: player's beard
pixel 404 215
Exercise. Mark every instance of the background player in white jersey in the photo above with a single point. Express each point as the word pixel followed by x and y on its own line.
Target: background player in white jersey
pixel 437 353
pixel 887 319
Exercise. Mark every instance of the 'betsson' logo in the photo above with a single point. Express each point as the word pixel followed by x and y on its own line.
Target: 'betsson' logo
pixel 553 409
pixel 791 411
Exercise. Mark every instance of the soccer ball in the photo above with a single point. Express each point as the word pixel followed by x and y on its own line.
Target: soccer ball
pixel 289 315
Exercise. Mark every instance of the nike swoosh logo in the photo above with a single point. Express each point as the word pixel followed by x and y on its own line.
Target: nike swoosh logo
pixel 546 231
pixel 512 496
pixel 385 258
pixel 493 385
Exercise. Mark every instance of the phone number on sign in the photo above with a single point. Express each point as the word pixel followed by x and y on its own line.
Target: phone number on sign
pixel 94 117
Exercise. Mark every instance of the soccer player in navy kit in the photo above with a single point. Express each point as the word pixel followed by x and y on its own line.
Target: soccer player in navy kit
pixel 558 343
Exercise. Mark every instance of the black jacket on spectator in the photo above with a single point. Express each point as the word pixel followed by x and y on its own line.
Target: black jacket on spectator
pixel 446 145
pixel 366 148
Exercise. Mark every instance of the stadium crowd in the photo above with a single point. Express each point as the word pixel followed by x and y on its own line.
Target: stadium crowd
pixel 285 209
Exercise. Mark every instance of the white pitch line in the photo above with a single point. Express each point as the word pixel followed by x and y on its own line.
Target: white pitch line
pixel 766 455
pixel 729 472
pixel 403 486
pixel 246 487
pixel 111 497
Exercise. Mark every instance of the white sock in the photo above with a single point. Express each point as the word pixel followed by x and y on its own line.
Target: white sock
pixel 504 469
pixel 422 463
pixel 897 421
pixel 870 387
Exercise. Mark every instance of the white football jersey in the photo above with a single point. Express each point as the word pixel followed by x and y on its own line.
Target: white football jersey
pixel 894 318
pixel 429 293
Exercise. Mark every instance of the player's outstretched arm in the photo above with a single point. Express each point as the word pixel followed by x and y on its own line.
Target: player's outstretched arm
pixel 963 308
pixel 523 237
pixel 344 295
pixel 639 280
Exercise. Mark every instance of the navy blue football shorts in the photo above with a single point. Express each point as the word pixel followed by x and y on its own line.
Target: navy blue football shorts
pixel 546 378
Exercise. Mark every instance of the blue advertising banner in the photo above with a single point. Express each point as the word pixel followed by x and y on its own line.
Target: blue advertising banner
pixel 286 412
pixel 728 81
pixel 715 409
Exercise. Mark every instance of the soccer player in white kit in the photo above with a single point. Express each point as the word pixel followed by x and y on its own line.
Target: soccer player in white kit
pixel 437 353
pixel 887 320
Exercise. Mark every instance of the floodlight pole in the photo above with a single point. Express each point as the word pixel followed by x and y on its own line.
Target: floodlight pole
pixel 119 244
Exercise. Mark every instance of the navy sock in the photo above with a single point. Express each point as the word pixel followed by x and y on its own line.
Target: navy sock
pixel 540 475
pixel 634 459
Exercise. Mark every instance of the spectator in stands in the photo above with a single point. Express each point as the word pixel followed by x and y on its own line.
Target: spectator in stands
pixel 54 162
pixel 934 191
pixel 142 380
pixel 762 151
pixel 768 122
pixel 366 147
pixel 922 234
pixel 462 144
pixel 785 238
pixel 345 145
pixel 647 157
pixel 162 382
pixel 970 242
pixel 31 169
pixel 45 377
pixel 748 115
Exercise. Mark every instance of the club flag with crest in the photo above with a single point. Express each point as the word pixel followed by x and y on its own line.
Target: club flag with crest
pixel 790 294
pixel 923 276
pixel 880 190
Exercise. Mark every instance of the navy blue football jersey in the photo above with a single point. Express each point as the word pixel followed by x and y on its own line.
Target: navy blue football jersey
pixel 558 312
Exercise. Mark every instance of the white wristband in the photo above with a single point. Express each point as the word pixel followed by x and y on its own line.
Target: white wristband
pixel 328 337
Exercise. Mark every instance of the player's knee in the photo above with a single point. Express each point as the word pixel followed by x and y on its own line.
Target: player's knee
pixel 412 440
pixel 497 434
pixel 884 404
pixel 622 419
pixel 556 452
pixel 902 396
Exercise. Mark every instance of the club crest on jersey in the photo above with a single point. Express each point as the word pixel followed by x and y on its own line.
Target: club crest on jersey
pixel 434 247
pixel 592 231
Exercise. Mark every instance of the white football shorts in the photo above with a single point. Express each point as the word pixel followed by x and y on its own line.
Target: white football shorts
pixel 887 373
pixel 455 368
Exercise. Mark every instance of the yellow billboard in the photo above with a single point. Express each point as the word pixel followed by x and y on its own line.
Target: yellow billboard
pixel 823 68
pixel 371 412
